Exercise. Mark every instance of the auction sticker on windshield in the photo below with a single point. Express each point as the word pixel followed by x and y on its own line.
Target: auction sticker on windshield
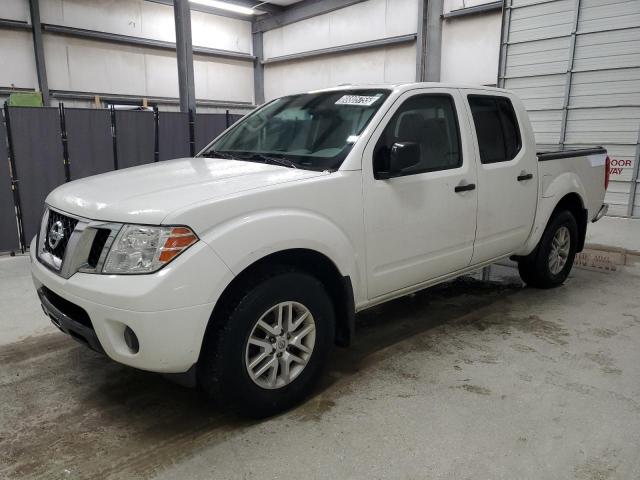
pixel 362 100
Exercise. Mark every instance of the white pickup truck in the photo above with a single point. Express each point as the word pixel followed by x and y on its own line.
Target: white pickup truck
pixel 240 268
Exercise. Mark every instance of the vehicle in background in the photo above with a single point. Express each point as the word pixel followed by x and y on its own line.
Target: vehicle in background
pixel 239 268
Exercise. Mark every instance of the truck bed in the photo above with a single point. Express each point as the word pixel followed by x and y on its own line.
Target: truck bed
pixel 576 152
pixel 584 166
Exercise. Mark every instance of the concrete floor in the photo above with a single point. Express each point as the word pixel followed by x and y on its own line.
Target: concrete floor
pixel 470 379
pixel 616 233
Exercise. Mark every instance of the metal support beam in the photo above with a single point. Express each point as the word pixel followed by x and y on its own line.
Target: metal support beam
pixel 13 173
pixel 184 54
pixel 433 49
pixel 138 41
pixel 484 8
pixel 14 24
pixel 258 69
pixel 351 47
pixel 569 74
pixel 504 41
pixel 300 11
pixel 421 40
pixel 633 188
pixel 38 49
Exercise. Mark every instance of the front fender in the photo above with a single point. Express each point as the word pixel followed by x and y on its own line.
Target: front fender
pixel 243 240
pixel 552 190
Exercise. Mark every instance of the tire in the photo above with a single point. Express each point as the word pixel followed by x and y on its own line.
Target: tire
pixel 539 269
pixel 223 371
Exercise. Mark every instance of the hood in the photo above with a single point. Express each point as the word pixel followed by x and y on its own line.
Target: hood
pixel 147 194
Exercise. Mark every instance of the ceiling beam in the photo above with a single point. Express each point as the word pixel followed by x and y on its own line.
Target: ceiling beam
pixel 300 11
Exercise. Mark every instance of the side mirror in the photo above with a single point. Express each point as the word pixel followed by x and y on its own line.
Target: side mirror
pixel 402 156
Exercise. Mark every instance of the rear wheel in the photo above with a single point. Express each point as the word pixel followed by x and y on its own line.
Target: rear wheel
pixel 269 346
pixel 550 263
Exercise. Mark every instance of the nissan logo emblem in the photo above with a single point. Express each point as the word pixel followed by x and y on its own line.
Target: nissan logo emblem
pixel 56 234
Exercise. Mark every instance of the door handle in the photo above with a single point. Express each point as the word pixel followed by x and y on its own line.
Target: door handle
pixel 525 176
pixel 465 188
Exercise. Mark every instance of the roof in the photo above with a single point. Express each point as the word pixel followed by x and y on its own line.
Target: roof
pixel 406 86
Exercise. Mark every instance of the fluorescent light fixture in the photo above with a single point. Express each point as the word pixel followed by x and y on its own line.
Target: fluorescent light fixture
pixel 232 7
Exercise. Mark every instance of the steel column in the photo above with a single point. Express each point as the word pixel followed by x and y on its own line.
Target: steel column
pixel 14 179
pixel 258 68
pixel 192 133
pixel 569 74
pixel 156 134
pixel 38 49
pixel 633 188
pixel 421 40
pixel 65 143
pixel 504 41
pixel 184 54
pixel 434 40
pixel 114 136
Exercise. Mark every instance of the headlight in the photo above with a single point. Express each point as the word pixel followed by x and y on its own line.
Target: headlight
pixel 145 249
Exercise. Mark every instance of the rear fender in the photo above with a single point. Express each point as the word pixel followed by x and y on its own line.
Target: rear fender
pixel 552 191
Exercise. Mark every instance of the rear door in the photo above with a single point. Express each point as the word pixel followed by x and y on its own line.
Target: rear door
pixel 420 224
pixel 507 175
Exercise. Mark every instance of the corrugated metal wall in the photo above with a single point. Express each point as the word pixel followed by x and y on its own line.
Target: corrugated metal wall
pixel 576 65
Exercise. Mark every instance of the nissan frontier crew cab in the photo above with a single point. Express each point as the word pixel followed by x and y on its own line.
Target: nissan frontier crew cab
pixel 240 267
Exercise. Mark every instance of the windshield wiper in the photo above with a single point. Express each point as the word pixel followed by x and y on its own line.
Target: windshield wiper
pixel 214 153
pixel 267 159
pixel 285 162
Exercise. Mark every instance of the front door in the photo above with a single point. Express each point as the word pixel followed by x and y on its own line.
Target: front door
pixel 419 222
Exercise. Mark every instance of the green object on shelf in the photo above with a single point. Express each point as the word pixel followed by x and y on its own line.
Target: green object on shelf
pixel 25 99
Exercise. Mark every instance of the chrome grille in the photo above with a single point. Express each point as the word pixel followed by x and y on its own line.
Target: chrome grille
pixel 68 244
pixel 58 232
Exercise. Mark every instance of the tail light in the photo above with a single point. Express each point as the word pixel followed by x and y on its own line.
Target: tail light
pixel 607 172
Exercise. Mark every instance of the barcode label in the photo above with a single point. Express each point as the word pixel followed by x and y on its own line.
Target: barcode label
pixel 361 100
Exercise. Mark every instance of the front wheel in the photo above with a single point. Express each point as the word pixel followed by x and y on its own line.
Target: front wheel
pixel 549 264
pixel 268 349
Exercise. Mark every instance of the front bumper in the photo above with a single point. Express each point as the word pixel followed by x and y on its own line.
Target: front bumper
pixel 76 325
pixel 168 311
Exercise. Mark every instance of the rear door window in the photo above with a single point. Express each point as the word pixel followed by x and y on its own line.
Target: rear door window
pixel 497 128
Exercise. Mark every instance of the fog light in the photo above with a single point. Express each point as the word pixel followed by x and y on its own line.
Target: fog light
pixel 131 340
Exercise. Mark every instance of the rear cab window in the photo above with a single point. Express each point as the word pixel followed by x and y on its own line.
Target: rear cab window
pixel 497 128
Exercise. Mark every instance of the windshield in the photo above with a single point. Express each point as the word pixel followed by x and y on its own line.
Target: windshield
pixel 314 131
